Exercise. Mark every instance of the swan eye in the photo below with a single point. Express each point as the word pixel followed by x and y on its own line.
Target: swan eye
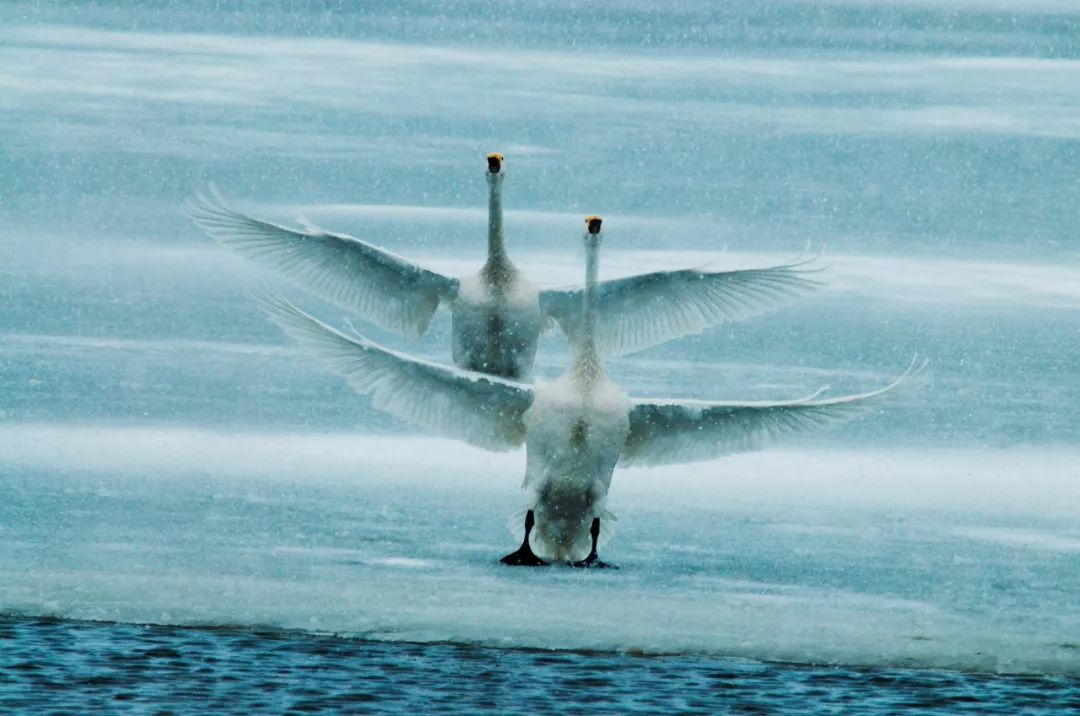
pixel 495 161
pixel 593 222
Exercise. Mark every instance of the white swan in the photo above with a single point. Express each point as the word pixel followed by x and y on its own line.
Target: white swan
pixel 497 314
pixel 576 428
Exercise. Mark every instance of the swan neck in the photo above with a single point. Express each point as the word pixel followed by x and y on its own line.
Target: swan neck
pixel 496 248
pixel 587 358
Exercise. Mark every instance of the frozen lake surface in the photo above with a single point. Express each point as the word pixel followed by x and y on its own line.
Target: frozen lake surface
pixel 951 560
pixel 167 458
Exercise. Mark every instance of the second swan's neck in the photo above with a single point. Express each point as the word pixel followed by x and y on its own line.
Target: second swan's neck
pixel 496 249
pixel 586 359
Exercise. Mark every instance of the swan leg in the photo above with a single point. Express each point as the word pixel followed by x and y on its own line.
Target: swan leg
pixel 593 561
pixel 524 556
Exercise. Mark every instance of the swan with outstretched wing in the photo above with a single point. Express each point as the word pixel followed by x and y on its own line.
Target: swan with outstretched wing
pixel 576 428
pixel 498 315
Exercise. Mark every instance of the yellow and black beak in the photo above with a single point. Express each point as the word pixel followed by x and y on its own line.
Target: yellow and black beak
pixel 594 222
pixel 495 162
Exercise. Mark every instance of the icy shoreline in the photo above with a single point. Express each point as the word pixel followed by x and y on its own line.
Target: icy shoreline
pixel 955 560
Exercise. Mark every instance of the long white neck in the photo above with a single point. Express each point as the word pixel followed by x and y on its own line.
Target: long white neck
pixel 586 359
pixel 496 249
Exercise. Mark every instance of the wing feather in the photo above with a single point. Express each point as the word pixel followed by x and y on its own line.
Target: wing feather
pixel 482 410
pixel 641 311
pixel 665 432
pixel 384 288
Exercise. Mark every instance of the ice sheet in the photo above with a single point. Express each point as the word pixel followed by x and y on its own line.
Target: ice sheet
pixel 959 560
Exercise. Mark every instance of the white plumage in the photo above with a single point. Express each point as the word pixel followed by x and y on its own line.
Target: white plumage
pixel 576 428
pixel 638 312
pixel 497 314
pixel 394 293
pixel 483 410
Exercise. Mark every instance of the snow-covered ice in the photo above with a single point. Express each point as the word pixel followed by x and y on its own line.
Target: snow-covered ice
pixel 956 559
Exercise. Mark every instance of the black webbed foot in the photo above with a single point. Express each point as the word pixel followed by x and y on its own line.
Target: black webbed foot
pixel 593 562
pixel 524 556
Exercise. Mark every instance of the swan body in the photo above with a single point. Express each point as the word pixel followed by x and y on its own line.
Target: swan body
pixel 496 324
pixel 574 433
pixel 576 429
pixel 497 314
pixel 496 319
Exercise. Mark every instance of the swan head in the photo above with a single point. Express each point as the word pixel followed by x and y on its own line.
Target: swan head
pixel 495 164
pixel 561 532
pixel 593 235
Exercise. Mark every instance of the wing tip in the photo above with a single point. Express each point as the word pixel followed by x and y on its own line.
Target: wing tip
pixel 283 312
pixel 912 376
pixel 279 309
pixel 209 211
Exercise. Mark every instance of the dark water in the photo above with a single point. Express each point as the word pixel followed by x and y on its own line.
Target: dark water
pixel 50 665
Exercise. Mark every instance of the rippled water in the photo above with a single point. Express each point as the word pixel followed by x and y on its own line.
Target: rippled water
pixel 55 664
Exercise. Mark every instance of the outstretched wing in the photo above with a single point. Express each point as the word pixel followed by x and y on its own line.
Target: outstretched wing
pixel 482 410
pixel 384 288
pixel 665 432
pixel 645 310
